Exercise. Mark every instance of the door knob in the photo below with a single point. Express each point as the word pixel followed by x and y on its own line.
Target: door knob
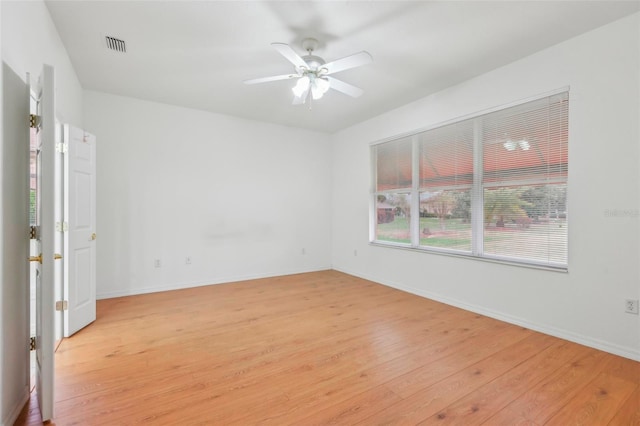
pixel 37 258
pixel 93 236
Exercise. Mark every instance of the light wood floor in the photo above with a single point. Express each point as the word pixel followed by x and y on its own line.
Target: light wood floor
pixel 324 348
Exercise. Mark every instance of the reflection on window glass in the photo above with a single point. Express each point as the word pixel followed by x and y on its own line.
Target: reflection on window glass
pixel 393 213
pixel 445 219
pixel 33 150
pixel 526 222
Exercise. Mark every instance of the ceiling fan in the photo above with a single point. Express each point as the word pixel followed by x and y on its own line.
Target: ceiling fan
pixel 314 74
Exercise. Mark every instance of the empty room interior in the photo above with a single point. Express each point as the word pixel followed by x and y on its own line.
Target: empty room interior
pixel 322 212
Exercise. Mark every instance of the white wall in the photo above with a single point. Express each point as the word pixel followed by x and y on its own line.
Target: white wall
pixel 29 40
pixel 241 198
pixel 586 304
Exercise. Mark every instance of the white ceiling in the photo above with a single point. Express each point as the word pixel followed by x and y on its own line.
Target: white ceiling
pixel 197 53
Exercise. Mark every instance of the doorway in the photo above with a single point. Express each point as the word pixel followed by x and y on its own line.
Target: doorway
pixel 62 235
pixel 34 245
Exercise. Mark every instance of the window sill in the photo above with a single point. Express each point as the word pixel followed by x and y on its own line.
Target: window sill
pixel 451 253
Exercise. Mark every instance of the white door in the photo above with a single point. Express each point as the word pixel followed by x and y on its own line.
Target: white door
pixel 80 240
pixel 45 225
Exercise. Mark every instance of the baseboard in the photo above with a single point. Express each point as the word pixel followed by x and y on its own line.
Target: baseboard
pixel 552 331
pixel 222 280
pixel 17 409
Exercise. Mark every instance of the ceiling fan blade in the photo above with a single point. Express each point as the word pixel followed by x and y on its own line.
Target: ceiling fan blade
pixel 351 61
pixel 273 78
pixel 290 54
pixel 299 100
pixel 345 88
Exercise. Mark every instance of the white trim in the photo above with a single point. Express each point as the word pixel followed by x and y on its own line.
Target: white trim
pixel 460 187
pixel 395 191
pixel 414 223
pixel 511 261
pixel 527 182
pixel 477 192
pixel 223 280
pixel 373 197
pixel 623 351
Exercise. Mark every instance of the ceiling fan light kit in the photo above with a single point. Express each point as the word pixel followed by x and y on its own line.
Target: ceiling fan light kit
pixel 313 72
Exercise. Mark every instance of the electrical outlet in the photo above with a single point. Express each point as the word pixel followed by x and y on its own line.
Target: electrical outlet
pixel 303 251
pixel 355 252
pixel 187 260
pixel 631 306
pixel 157 263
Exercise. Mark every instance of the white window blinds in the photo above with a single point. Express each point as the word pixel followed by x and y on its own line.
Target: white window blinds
pixel 446 179
pixel 525 163
pixel 394 179
pixel 393 165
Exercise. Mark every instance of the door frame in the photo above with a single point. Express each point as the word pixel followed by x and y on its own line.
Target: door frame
pixel 79 283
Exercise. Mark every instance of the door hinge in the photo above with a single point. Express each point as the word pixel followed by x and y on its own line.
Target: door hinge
pixel 61 147
pixel 32 343
pixel 33 233
pixel 61 305
pixel 62 226
pixel 34 121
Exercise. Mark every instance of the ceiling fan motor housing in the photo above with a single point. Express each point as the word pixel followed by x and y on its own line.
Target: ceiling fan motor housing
pixel 309 44
pixel 314 62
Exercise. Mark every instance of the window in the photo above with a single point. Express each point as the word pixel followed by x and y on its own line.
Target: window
pixel 393 196
pixel 33 154
pixel 491 186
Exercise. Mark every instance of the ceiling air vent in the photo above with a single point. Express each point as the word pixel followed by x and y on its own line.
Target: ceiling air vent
pixel 116 44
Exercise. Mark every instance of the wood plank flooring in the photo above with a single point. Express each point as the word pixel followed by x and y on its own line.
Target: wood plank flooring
pixel 326 348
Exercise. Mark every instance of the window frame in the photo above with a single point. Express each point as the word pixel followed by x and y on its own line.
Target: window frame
pixel 478 186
